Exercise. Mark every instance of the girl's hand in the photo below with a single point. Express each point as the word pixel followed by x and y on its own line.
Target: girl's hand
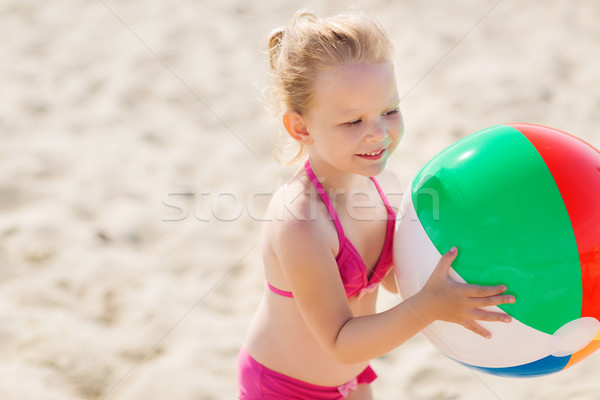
pixel 462 303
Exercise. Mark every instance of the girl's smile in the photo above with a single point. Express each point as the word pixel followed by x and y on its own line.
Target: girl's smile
pixel 375 155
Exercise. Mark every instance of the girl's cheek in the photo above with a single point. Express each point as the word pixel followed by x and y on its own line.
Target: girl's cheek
pixel 399 130
pixel 348 138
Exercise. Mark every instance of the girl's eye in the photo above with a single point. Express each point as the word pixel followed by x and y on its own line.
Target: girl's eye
pixel 392 112
pixel 354 123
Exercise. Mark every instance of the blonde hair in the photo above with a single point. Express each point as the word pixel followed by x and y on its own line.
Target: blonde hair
pixel 309 45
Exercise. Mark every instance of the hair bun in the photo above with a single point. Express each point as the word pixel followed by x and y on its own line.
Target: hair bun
pixel 275 39
pixel 304 15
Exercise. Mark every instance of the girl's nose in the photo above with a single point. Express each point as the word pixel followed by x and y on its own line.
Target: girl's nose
pixel 377 131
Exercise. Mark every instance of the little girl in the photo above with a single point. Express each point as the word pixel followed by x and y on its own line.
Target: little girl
pixel 327 242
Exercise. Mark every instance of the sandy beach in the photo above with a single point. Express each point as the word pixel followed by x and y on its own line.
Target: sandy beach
pixel 135 164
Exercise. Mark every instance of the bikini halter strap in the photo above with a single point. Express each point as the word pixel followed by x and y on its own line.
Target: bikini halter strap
pixel 323 193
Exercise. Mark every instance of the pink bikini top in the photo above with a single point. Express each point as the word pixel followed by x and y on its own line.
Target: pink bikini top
pixel 353 269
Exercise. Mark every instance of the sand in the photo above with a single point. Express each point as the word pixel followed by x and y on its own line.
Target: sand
pixel 135 164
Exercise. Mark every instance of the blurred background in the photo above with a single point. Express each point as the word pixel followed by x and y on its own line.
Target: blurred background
pixel 135 164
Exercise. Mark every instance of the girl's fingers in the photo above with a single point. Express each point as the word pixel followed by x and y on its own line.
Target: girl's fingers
pixel 484 291
pixel 478 329
pixel 446 261
pixel 491 316
pixel 480 302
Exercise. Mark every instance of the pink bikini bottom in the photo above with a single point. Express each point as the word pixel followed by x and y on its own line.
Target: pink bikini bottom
pixel 257 382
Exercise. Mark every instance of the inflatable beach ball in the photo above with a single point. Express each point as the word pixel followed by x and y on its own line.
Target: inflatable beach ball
pixel 522 204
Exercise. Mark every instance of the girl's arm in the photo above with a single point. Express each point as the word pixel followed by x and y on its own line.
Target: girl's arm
pixel 312 273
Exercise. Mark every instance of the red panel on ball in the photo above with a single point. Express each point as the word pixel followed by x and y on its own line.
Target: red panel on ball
pixel 575 166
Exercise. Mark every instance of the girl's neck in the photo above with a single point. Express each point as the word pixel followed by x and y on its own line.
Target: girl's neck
pixel 336 180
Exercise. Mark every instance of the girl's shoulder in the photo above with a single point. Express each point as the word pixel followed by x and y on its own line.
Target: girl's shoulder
pixel 295 212
pixel 293 201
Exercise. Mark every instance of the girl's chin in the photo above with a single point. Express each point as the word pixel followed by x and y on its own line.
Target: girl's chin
pixel 372 168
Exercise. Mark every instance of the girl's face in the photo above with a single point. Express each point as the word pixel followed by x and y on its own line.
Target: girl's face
pixel 355 121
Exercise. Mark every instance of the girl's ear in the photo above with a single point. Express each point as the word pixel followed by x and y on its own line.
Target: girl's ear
pixel 296 126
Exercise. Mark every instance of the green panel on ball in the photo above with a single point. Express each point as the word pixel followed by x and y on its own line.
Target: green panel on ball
pixel 491 195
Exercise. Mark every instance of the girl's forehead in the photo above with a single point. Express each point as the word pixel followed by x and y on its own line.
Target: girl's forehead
pixel 351 87
pixel 355 72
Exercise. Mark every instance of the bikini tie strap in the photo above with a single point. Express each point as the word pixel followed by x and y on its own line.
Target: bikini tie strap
pixel 345 389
